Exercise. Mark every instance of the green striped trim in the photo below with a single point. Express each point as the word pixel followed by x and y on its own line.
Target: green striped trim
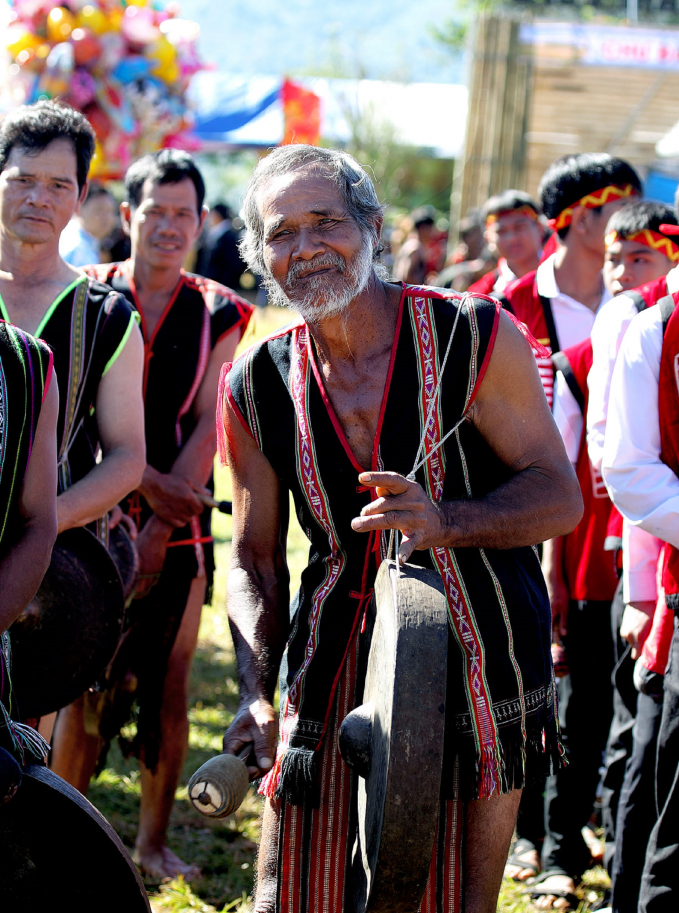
pixel 50 310
pixel 134 318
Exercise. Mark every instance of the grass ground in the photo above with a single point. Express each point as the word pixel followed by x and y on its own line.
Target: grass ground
pixel 225 850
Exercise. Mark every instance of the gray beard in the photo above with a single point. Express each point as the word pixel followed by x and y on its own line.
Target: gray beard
pixel 320 298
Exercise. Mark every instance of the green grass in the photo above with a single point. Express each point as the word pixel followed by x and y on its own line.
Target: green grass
pixel 225 850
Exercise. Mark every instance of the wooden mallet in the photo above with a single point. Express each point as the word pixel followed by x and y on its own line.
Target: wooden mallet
pixel 217 789
pixel 224 507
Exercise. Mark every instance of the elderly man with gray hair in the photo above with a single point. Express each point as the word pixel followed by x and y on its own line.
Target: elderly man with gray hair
pixel 337 408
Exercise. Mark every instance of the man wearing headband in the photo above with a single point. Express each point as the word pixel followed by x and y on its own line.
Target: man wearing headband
pixel 512 232
pixel 578 194
pixel 582 581
pixel 558 303
pixel 640 465
pixel 641 249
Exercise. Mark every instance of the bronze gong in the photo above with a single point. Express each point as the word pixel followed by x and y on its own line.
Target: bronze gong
pixel 394 741
pixel 55 847
pixel 66 636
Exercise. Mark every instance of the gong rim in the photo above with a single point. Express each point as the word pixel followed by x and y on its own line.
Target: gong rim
pixel 55 843
pixel 397 821
pixel 69 632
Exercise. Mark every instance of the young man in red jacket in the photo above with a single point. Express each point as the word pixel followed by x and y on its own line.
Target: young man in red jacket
pixel 512 231
pixel 640 466
pixel 558 302
pixel 641 247
pixel 580 572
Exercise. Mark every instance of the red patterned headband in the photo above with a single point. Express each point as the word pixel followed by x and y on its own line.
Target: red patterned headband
pixel 593 201
pixel 524 210
pixel 652 239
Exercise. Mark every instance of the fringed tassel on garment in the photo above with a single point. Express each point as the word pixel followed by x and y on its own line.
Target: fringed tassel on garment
pixel 297 779
pixel 24 738
pixel 269 784
pixel 517 759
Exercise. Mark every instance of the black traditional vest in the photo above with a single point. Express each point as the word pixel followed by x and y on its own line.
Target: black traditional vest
pixel 25 372
pixel 500 695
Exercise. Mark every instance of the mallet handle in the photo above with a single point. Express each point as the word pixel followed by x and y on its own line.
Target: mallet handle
pixel 224 507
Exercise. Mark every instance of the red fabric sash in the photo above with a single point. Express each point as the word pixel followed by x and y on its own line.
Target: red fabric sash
pixel 590 572
pixel 668 409
pixel 486 284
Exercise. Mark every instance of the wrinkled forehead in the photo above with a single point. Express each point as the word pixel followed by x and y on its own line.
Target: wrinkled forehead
pixel 57 156
pixel 304 191
pixel 175 194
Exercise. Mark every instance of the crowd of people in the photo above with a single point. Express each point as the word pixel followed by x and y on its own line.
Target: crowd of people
pixel 562 393
pixel 130 437
pixel 580 266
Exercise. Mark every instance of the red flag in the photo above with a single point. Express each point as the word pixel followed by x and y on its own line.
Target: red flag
pixel 302 112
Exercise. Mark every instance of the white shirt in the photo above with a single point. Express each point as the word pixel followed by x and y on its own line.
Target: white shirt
pixel 610 326
pixel 77 246
pixel 505 276
pixel 640 554
pixel 568 417
pixel 642 487
pixel 573 320
pixel 640 549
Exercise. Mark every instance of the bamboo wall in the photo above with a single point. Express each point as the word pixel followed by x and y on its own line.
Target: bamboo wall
pixel 528 106
pixel 580 108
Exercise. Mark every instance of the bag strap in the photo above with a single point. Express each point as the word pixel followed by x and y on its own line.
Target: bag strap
pixel 549 320
pixel 638 300
pixel 666 305
pixel 561 363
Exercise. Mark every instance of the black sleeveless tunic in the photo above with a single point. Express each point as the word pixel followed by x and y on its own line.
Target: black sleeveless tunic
pixel 25 373
pixel 199 313
pixel 500 695
pixel 86 326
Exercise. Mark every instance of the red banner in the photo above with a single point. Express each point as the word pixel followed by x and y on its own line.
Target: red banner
pixel 302 113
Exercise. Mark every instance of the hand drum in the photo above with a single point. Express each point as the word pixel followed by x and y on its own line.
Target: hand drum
pixel 217 789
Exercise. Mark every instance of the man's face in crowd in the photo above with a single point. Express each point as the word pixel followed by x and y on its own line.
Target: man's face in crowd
pixel 594 222
pixel 318 258
pixel 165 224
pixel 628 264
pixel 516 237
pixel 99 215
pixel 39 192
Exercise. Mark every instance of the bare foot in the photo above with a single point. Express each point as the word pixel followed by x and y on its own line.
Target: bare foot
pixel 594 845
pixel 530 858
pixel 161 864
pixel 548 901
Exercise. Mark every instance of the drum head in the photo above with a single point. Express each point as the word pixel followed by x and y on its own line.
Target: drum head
pixel 56 845
pixel 397 736
pixel 67 635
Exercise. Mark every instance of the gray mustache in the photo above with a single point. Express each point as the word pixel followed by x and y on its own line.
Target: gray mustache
pixel 300 269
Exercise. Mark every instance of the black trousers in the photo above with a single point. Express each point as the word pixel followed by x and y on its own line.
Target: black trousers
pixel 585 710
pixel 660 881
pixel 619 745
pixel 636 809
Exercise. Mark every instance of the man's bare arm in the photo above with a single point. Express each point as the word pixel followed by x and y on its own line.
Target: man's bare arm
pixel 175 496
pixel 542 500
pixel 120 420
pixel 24 566
pixel 258 594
